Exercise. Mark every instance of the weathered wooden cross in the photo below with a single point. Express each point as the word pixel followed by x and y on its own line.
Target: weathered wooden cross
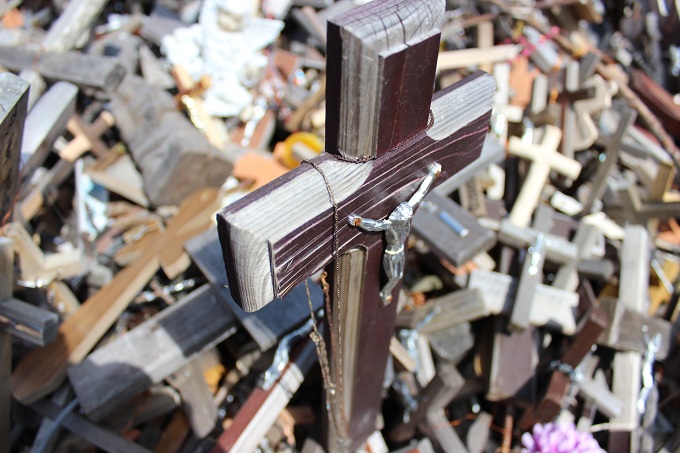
pixel 384 137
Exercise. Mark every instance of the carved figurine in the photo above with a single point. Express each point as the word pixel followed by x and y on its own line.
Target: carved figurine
pixel 397 228
pixel 226 45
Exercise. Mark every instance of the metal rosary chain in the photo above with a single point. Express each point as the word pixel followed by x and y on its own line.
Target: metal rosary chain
pixel 335 391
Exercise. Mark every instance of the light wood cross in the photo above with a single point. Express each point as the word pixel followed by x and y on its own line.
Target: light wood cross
pixel 544 158
pixel 627 366
pixel 383 137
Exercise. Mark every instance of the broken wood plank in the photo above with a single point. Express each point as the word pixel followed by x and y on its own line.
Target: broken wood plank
pixel 82 70
pixel 155 131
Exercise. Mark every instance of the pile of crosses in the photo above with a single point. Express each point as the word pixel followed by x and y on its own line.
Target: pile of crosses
pixel 492 268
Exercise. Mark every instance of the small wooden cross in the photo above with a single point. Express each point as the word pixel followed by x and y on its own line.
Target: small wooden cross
pixel 383 138
pixel 545 158
pixel 612 147
pixel 450 231
pixel 87 137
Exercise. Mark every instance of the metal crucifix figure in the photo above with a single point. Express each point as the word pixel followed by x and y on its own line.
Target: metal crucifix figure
pixel 396 227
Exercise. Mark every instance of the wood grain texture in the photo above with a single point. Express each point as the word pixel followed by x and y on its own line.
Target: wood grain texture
pixel 269 253
pixel 381 62
pixel 83 70
pixel 173 157
pixel 43 369
pixel 13 109
pixel 268 325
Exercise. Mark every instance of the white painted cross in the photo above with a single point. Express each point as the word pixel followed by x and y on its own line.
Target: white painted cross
pixel 544 158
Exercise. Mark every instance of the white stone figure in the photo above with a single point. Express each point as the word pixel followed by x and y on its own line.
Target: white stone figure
pixel 397 228
pixel 226 44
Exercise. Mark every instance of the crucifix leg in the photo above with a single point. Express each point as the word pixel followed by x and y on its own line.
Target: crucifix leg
pixel 362 327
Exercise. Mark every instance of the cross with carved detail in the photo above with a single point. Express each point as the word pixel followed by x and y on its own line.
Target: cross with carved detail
pixel 385 133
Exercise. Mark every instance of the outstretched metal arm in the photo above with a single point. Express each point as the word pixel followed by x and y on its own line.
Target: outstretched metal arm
pixel 368 224
pixel 425 186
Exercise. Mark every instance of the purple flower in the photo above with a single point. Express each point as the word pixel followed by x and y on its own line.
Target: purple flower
pixel 559 438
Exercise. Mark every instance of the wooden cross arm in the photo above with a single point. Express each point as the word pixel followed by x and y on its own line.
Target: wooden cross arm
pixel 283 232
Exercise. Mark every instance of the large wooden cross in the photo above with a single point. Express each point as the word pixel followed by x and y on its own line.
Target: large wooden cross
pixel 385 133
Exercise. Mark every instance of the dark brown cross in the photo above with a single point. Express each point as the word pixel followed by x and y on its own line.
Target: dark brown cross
pixel 384 134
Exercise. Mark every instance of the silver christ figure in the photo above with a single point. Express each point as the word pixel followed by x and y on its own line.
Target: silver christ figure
pixel 396 227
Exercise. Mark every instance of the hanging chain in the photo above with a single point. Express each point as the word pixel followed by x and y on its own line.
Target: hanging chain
pixel 334 391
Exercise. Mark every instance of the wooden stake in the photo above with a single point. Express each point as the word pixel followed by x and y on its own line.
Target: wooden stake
pixel 6 287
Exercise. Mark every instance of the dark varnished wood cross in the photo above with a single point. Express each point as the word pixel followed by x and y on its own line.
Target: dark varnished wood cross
pixel 384 135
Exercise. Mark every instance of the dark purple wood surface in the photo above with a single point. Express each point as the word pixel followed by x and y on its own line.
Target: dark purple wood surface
pixel 394 178
pixel 407 84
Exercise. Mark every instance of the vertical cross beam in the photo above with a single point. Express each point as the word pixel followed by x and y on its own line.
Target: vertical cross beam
pixel 383 138
pixel 627 380
pixel 14 103
pixel 6 285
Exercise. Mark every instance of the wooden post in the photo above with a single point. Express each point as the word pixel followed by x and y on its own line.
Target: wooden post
pixel 14 102
pixel 6 285
pixel 627 366
pixel 379 117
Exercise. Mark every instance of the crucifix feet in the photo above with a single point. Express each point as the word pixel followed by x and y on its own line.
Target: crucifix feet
pixel 396 227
